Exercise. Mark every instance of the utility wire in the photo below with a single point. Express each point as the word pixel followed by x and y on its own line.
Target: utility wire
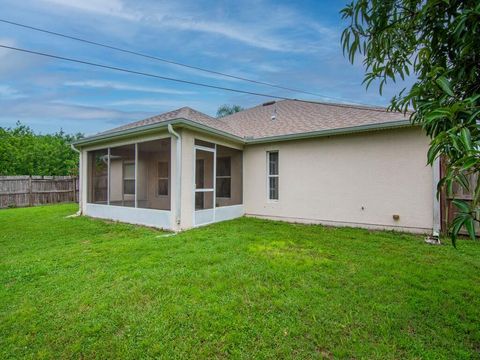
pixel 143 73
pixel 181 80
pixel 162 59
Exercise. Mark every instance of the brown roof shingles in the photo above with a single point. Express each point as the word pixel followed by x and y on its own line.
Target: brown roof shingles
pixel 294 117
pixel 182 113
pixel 291 117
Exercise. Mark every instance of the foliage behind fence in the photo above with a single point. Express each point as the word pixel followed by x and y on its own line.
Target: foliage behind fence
pixel 19 191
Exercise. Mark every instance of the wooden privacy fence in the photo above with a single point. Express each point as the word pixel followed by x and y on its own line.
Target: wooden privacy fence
pixel 447 209
pixel 19 191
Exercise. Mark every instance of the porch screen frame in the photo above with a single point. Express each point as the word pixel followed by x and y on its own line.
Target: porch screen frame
pixel 108 148
pixel 214 180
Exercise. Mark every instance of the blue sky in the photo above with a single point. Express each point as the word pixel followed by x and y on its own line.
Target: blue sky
pixel 294 44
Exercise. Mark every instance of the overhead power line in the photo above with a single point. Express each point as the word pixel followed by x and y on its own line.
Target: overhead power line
pixel 144 73
pixel 163 60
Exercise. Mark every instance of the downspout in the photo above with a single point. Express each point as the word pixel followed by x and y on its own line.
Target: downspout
pixel 80 189
pixel 178 172
pixel 436 201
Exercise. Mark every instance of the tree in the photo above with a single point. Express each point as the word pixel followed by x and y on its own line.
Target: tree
pixel 22 152
pixel 225 110
pixel 438 42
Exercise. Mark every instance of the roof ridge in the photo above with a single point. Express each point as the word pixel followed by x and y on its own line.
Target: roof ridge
pixel 345 105
pixel 184 110
pixel 192 110
pixel 351 106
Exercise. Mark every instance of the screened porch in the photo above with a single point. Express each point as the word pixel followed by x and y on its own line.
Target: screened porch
pixel 218 183
pixel 131 183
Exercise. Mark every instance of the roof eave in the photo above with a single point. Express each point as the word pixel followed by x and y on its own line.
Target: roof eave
pixel 147 129
pixel 331 132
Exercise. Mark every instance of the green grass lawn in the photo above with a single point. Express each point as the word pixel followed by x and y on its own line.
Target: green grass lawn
pixel 83 288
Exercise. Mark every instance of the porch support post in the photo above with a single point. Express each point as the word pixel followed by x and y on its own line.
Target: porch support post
pixel 178 175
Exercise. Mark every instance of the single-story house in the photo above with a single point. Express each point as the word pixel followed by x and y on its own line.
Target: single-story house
pixel 333 164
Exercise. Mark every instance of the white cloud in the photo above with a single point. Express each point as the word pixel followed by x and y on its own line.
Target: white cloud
pixel 99 84
pixel 65 111
pixel 155 103
pixel 7 42
pixel 266 26
pixel 7 92
pixel 103 7
pixel 245 34
pixel 12 62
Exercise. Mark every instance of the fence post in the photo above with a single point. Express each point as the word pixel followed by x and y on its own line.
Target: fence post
pixel 74 189
pixel 30 196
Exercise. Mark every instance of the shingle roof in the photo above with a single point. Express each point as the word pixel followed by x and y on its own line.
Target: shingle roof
pixel 295 117
pixel 182 113
pixel 290 117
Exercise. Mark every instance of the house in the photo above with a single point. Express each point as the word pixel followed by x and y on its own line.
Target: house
pixel 334 164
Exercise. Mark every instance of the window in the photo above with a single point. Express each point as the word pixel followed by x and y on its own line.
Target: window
pixel 224 177
pixel 129 178
pixel 162 173
pixel 272 178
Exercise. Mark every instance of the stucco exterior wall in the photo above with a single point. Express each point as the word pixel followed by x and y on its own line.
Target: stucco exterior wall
pixel 354 180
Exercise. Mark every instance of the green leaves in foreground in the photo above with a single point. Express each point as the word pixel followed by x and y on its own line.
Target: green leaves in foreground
pixel 437 43
pixel 463 218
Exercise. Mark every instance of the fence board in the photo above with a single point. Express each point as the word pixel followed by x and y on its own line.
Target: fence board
pixel 447 209
pixel 20 191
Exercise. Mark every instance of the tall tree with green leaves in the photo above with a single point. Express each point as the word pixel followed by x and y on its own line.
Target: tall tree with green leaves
pixel 23 152
pixel 225 110
pixel 438 43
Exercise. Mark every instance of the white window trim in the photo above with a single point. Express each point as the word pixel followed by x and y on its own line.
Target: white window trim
pixel 129 162
pixel 272 176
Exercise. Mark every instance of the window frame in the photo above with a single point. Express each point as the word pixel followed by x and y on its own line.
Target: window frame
pixel 129 162
pixel 270 176
pixel 229 177
pixel 163 178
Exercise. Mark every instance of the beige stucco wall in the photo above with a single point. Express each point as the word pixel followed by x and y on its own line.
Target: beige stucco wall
pixel 323 180
pixel 328 180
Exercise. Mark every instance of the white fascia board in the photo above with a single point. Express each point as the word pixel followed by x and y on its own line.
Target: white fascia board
pixel 152 128
pixel 148 129
pixel 331 132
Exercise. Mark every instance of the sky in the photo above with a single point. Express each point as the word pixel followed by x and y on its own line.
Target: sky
pixel 290 43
